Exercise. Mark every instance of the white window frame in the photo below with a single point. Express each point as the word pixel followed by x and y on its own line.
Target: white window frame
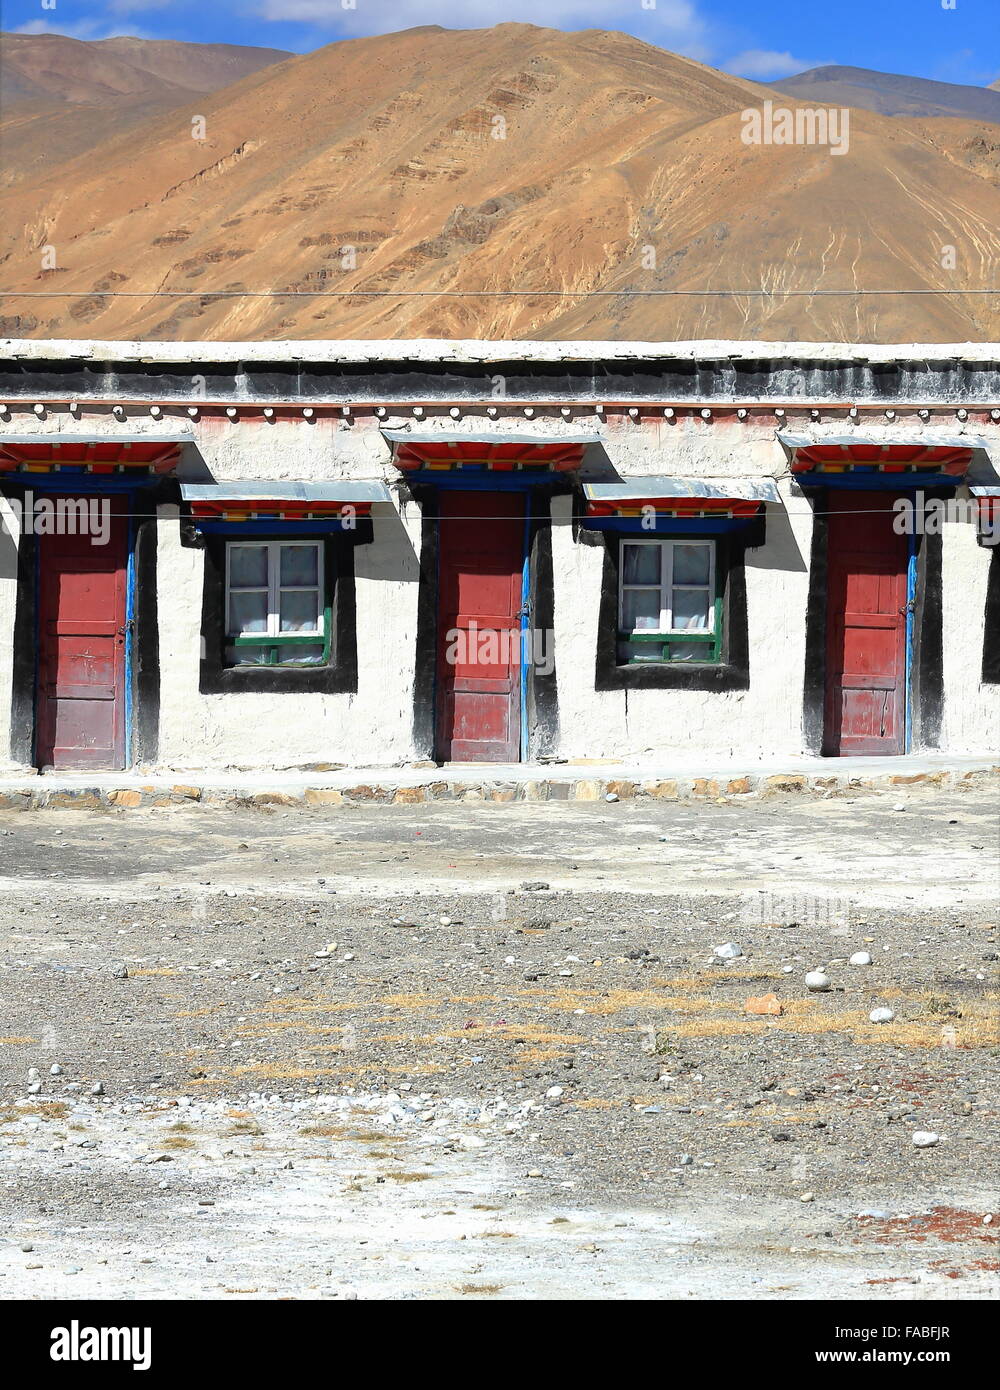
pixel 666 586
pixel 274 590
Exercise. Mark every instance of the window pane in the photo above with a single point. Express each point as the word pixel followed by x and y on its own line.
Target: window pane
pixel 691 564
pixel 692 608
pixel 691 651
pixel 641 610
pixel 248 566
pixel 641 564
pixel 643 653
pixel 299 566
pixel 299 610
pixel 248 656
pixel 247 612
pixel 300 655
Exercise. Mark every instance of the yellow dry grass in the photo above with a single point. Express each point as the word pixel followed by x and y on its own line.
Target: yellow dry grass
pixel 17 1042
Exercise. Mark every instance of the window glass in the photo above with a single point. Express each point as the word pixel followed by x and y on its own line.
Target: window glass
pixel 642 564
pixel 248 611
pixel 692 564
pixel 692 608
pixel 299 565
pixel 641 610
pixel 248 566
pixel 298 610
pixel 690 651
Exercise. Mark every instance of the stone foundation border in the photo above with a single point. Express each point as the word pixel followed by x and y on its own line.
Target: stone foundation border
pixel 386 791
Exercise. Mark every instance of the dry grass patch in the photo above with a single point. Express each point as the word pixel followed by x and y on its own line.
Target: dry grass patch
pixel 50 1110
pixel 152 970
pixel 596 1103
pixel 409 1001
pixel 409 1177
pixel 177 1141
pixel 477 1288
pixel 17 1042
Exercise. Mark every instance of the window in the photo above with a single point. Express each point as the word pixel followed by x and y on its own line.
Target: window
pixel 275 612
pixel 668 607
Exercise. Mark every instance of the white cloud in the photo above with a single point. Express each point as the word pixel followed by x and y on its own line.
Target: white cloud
pixel 761 64
pixel 82 29
pixel 673 24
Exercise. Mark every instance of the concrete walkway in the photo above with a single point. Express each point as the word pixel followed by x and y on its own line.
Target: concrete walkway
pixel 688 778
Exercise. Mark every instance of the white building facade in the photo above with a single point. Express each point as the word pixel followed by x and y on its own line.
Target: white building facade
pixel 310 555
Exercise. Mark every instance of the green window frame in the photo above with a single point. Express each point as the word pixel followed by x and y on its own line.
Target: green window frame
pixel 670 589
pixel 271 596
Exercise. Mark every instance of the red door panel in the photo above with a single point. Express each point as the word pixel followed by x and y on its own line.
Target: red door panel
pixel 866 627
pixel 479 598
pixel 80 720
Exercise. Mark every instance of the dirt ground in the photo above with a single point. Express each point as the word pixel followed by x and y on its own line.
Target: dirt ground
pixel 460 1050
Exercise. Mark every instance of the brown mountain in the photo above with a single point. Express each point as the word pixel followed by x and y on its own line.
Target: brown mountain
pixel 568 185
pixel 892 94
pixel 63 96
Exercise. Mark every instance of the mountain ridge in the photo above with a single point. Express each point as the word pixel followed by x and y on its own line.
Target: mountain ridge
pixel 572 186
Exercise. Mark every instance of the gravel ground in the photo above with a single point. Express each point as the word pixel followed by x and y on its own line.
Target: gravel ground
pixel 476 1051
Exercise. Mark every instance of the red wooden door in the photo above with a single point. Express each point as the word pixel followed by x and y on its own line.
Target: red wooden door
pixel 866 627
pixel 80 719
pixel 479 598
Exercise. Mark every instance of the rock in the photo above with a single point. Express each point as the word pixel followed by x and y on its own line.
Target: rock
pixel 808 1197
pixel 925 1139
pixel 553 1092
pixel 817 980
pixel 763 1004
pixel 861 958
pixel 97 1089
pixel 685 1160
pixel 35 1088
pixel 881 1015
pixel 55 1069
pixel 469 1141
pixel 120 972
pixel 534 886
pixel 611 796
pixel 33 1073
pixel 729 951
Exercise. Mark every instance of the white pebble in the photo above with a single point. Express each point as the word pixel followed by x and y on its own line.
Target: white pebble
pixel 817 980
pixel 729 951
pixel 924 1139
pixel 861 958
pixel 881 1015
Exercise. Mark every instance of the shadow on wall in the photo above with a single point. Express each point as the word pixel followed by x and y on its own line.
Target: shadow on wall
pixel 780 550
pixel 8 547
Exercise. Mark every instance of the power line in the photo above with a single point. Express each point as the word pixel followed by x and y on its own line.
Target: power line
pixel 477 294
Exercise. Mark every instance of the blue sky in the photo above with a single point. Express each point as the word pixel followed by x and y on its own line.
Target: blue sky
pixel 951 40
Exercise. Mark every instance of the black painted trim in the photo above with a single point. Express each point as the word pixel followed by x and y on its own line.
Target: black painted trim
pixel 637 379
pixel 991 633
pixel 425 653
pixel 22 704
pixel 338 676
pixel 814 675
pixel 927 674
pixel 145 647
pixel 732 673
pixel 543 687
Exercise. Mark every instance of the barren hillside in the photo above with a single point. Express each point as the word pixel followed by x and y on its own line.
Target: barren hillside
pixel 563 183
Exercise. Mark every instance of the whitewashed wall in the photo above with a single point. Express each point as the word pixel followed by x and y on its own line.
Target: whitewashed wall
pixel 375 725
